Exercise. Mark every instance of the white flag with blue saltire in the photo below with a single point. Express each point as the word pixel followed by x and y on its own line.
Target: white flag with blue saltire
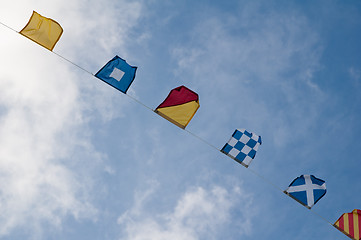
pixel 242 146
pixel 307 190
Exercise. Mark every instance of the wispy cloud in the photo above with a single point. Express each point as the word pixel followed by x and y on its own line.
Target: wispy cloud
pixel 199 213
pixel 41 128
pixel 260 61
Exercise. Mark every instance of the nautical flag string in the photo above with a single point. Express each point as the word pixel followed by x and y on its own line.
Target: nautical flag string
pixel 305 189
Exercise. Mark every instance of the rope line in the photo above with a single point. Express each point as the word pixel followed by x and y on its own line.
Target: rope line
pixel 8 27
pixel 201 139
pixel 139 102
pixel 76 65
pixel 189 132
pixel 321 217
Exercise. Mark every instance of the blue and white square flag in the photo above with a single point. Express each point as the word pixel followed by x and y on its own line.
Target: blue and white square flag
pixel 117 73
pixel 307 190
pixel 242 146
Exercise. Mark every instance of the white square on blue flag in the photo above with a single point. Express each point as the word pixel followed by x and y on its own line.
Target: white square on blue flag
pixel 307 190
pixel 242 146
pixel 117 73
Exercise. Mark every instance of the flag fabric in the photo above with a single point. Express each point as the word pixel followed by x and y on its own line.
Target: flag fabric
pixel 307 190
pixel 350 224
pixel 179 107
pixel 42 30
pixel 117 73
pixel 242 146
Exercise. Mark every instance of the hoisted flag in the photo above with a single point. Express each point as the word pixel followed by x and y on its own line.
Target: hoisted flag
pixel 350 224
pixel 42 30
pixel 117 73
pixel 242 146
pixel 179 107
pixel 307 190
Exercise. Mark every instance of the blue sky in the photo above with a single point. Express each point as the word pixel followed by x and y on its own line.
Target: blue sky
pixel 80 160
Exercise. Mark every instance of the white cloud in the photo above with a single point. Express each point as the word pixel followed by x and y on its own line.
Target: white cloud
pixel 199 214
pixel 46 157
pixel 40 129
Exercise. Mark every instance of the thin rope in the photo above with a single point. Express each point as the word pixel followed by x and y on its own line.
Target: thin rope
pixel 138 101
pixel 8 27
pixel 321 217
pixel 201 139
pixel 76 65
pixel 191 133
pixel 266 180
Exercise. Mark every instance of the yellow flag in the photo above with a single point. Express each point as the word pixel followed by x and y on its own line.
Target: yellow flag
pixel 42 30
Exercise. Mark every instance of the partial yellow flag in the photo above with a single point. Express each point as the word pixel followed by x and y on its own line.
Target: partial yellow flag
pixel 42 30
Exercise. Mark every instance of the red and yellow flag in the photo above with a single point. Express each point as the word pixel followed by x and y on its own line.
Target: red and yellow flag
pixel 350 224
pixel 179 107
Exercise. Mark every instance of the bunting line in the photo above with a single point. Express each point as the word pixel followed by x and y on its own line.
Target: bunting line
pixel 76 65
pixel 189 132
pixel 8 27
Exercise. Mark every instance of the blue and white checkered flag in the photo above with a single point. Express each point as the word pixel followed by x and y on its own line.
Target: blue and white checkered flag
pixel 242 146
pixel 307 190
